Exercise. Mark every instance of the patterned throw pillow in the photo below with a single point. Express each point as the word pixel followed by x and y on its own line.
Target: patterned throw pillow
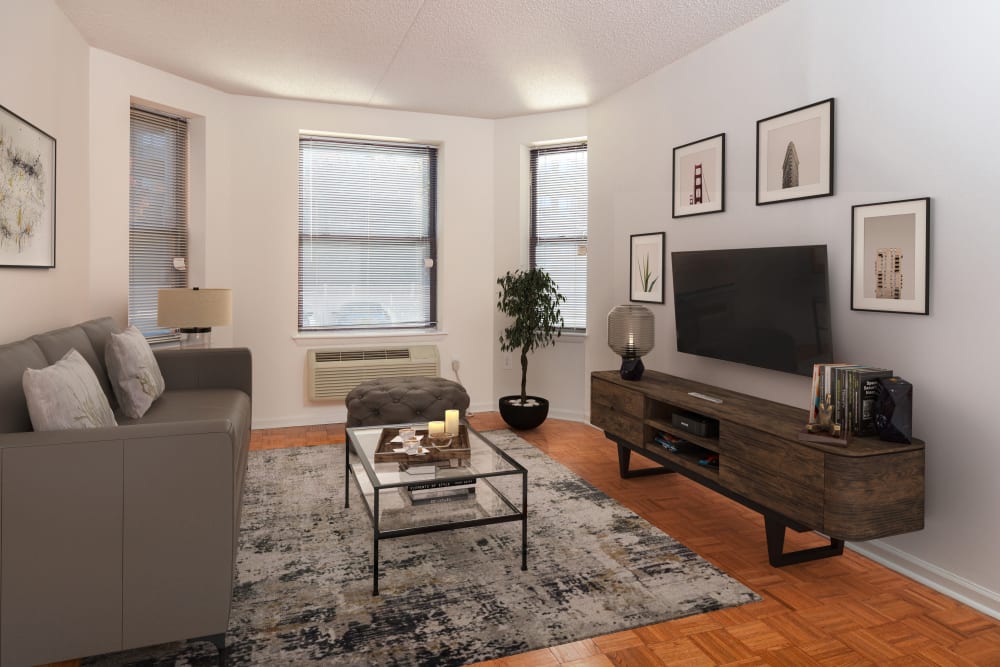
pixel 66 395
pixel 135 375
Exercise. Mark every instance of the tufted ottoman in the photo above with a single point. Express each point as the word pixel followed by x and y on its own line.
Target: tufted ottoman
pixel 403 400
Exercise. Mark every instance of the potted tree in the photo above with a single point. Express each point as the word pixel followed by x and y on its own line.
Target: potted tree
pixel 532 300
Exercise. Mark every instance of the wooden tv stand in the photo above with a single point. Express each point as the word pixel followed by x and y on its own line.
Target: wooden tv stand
pixel 867 490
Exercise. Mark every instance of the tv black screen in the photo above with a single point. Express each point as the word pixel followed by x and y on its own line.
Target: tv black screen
pixel 766 307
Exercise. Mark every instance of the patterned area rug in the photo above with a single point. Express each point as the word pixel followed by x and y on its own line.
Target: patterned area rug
pixel 451 598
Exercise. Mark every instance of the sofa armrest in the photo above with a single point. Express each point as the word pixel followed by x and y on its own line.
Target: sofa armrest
pixel 207 368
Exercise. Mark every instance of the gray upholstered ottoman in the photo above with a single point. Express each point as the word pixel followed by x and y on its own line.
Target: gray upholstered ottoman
pixel 404 400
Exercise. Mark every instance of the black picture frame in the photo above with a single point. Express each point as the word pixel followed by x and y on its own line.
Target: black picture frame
pixel 27 194
pixel 782 163
pixel 889 242
pixel 702 200
pixel 647 257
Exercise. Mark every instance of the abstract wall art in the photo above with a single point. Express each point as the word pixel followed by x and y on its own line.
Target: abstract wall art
pixel 27 194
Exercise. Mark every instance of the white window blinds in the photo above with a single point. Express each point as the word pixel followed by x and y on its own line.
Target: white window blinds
pixel 366 234
pixel 158 231
pixel 559 225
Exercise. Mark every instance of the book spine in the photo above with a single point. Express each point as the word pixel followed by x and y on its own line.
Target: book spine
pixel 439 484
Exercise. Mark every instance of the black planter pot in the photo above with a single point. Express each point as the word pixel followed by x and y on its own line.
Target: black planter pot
pixel 523 417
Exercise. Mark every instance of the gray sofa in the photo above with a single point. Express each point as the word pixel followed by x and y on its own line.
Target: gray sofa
pixel 116 538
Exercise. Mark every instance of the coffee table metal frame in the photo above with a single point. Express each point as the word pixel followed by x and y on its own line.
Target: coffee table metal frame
pixel 378 486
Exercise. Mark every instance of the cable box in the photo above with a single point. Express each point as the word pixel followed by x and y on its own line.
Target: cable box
pixel 688 422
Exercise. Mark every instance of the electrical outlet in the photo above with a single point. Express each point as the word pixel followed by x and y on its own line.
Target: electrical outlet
pixel 455 364
pixel 508 362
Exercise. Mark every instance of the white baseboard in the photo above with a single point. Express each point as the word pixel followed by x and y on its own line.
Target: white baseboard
pixel 950 584
pixel 312 419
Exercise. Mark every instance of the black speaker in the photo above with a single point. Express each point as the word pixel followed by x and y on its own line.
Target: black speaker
pixel 894 410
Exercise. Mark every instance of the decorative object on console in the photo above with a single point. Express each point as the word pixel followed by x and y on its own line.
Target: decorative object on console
pixel 646 254
pixel 890 259
pixel 27 194
pixel 700 177
pixel 532 299
pixel 894 410
pixel 630 334
pixel 194 312
pixel 795 154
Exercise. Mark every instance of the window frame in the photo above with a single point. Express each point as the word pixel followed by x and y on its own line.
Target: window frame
pixel 430 238
pixel 533 238
pixel 142 238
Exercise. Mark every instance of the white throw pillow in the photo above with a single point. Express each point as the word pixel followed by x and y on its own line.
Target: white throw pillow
pixel 66 395
pixel 135 375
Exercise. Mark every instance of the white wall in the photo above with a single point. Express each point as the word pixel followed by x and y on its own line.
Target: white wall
pixel 556 373
pixel 265 245
pixel 44 80
pixel 915 116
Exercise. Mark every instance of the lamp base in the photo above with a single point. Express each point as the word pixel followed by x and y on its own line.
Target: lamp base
pixel 196 338
pixel 632 368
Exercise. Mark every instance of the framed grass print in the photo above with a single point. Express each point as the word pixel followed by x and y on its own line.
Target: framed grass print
pixel 27 194
pixel 646 272
pixel 700 177
pixel 795 154
pixel 890 256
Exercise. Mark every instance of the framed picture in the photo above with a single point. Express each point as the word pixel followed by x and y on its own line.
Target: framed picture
pixel 890 256
pixel 700 177
pixel 646 273
pixel 795 154
pixel 27 194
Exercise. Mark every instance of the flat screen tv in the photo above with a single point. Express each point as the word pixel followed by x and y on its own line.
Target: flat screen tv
pixel 766 307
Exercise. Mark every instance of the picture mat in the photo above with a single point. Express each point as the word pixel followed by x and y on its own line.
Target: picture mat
pixel 20 138
pixel 709 153
pixel 916 210
pixel 816 146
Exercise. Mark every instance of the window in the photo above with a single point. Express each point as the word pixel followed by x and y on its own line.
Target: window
pixel 559 225
pixel 366 234
pixel 157 226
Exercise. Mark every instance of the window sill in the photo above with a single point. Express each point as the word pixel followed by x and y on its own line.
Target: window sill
pixel 572 337
pixel 308 339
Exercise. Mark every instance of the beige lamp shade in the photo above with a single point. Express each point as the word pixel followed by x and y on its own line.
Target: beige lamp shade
pixel 194 308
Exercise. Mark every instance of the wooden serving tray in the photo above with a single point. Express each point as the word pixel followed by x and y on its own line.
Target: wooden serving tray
pixel 384 453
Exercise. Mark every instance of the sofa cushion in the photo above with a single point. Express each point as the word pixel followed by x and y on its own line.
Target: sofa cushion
pixel 14 359
pixel 66 395
pixel 99 332
pixel 135 375
pixel 55 344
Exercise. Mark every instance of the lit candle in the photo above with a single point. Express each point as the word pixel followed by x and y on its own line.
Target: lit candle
pixel 433 428
pixel 451 421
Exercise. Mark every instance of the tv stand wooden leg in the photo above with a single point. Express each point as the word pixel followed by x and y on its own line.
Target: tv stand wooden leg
pixel 774 528
pixel 624 456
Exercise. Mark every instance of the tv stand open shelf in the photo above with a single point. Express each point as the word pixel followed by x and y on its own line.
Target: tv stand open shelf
pixel 867 490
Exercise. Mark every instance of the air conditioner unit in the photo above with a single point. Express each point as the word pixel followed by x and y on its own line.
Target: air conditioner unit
pixel 334 373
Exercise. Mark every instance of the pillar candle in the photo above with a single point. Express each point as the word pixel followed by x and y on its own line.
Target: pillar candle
pixel 451 421
pixel 434 428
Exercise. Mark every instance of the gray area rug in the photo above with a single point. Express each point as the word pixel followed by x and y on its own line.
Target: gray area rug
pixel 304 574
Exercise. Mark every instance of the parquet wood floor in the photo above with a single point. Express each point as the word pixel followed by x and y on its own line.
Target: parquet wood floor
pixel 846 611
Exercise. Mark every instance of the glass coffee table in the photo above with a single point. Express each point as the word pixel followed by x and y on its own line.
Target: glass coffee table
pixel 444 489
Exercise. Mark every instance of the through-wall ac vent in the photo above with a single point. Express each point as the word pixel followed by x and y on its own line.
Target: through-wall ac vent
pixel 333 373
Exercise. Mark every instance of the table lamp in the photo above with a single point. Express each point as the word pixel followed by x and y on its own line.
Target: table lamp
pixel 630 334
pixel 194 312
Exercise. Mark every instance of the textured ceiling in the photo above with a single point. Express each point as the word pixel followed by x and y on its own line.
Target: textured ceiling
pixel 482 58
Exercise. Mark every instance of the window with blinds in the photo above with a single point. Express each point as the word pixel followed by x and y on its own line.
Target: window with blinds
pixel 367 246
pixel 558 241
pixel 158 209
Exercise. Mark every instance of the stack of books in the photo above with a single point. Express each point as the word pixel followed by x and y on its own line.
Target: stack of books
pixel 853 391
pixel 428 485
